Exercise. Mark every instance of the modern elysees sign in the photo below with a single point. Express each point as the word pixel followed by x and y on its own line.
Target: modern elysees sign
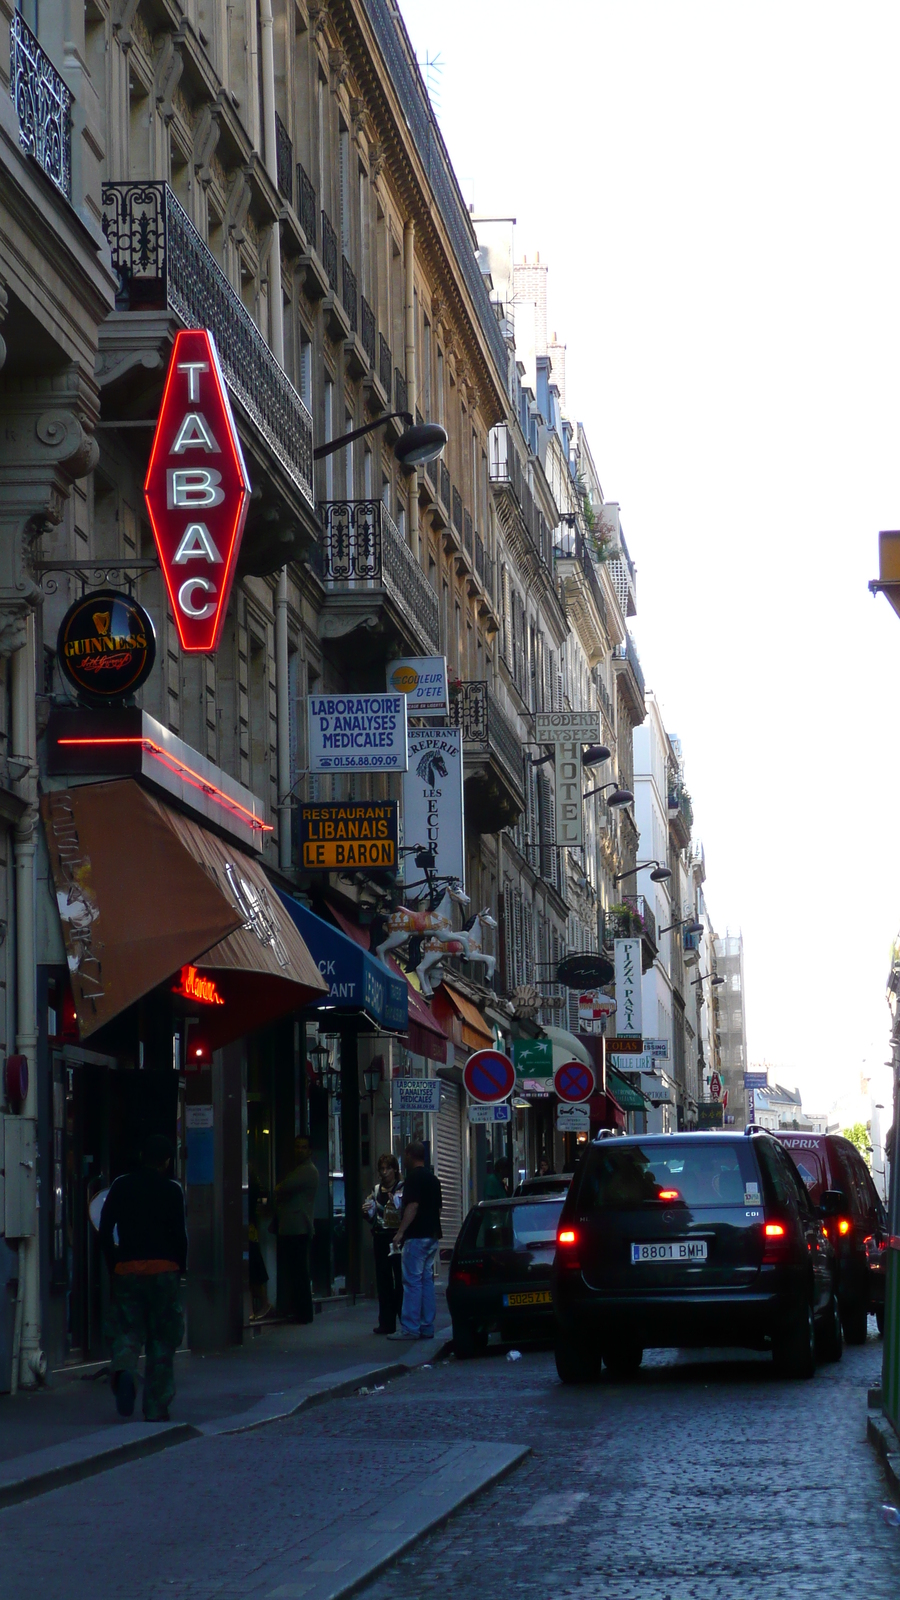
pixel 568 731
pixel 628 986
pixel 433 799
pixel 357 733
pixel 197 490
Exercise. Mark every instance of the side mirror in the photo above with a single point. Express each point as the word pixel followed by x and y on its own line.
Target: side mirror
pixel 832 1202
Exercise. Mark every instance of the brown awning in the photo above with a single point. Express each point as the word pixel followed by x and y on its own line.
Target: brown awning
pixel 143 891
pixel 462 1018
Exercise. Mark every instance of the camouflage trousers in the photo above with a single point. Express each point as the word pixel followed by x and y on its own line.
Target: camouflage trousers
pixel 146 1311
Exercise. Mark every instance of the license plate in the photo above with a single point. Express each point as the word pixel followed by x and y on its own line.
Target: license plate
pixel 687 1250
pixel 529 1297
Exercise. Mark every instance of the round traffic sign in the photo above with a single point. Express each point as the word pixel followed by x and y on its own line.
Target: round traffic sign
pixel 489 1076
pixel 574 1082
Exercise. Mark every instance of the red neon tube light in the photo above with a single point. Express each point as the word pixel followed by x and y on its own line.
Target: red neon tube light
pixel 181 770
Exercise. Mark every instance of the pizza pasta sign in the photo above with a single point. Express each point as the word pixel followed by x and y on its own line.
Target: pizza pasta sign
pixel 197 490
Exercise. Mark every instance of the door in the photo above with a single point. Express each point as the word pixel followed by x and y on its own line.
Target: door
pixel 448 1162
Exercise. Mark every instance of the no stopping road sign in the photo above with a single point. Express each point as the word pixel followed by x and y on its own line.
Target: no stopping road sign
pixel 489 1076
pixel 573 1082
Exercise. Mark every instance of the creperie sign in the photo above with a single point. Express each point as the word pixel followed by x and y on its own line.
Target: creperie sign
pixel 197 490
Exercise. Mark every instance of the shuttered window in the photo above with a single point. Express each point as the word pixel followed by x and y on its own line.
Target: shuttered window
pixel 448 1162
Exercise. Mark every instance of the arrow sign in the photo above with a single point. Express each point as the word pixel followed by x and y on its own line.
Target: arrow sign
pixel 489 1076
pixel 574 1082
pixel 197 490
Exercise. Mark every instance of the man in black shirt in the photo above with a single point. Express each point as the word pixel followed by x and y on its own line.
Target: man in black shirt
pixel 419 1233
pixel 144 1240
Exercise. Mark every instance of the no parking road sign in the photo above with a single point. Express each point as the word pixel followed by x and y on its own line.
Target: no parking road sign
pixel 489 1076
pixel 573 1082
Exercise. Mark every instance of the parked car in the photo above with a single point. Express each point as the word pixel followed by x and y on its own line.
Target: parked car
pixel 500 1272
pixel 691 1240
pixel 839 1182
pixel 548 1183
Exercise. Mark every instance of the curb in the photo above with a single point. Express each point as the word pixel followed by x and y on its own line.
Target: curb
pixel 880 1434
pixel 26 1477
pixel 467 1470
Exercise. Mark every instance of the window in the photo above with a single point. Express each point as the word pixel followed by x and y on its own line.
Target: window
pixel 345 190
pixel 679 1173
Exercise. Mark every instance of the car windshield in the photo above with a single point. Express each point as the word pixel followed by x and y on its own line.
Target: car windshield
pixel 623 1176
pixel 516 1227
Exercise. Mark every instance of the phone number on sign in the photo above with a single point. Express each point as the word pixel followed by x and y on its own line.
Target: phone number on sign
pixel 347 763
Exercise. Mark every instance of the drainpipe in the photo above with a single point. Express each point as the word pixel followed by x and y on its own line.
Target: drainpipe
pixel 276 325
pixel 32 1364
pixel 409 257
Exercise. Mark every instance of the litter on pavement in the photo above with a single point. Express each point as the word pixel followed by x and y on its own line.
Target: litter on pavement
pixel 513 1355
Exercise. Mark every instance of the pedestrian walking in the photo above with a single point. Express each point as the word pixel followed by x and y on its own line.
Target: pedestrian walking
pixel 295 1198
pixel 382 1207
pixel 144 1242
pixel 419 1234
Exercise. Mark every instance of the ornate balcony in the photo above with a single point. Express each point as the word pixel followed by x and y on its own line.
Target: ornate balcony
pixel 681 815
pixel 632 918
pixel 384 364
pixel 349 293
pixel 630 675
pixel 330 252
pixel 492 755
pixel 582 595
pixel 43 106
pixel 306 206
pixel 284 161
pixel 367 330
pixel 163 265
pixel 373 582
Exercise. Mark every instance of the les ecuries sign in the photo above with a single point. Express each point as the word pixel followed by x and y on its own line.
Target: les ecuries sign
pixel 197 490
pixel 352 833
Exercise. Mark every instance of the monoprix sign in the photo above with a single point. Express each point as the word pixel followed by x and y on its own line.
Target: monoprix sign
pixel 197 490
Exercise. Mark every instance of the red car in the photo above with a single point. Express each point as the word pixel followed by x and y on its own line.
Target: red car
pixel 840 1184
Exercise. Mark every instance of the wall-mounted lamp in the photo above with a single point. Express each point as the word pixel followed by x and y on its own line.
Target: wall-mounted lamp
pixel 419 442
pixel 660 874
pixel 619 797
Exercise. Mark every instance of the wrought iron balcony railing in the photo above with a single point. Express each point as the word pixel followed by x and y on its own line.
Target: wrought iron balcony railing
pixel 506 471
pixel 643 914
pixel 349 293
pixel 329 252
pixel 284 161
pixel 367 330
pixel 486 727
pixel 43 105
pixel 479 557
pixel 627 652
pixel 457 511
pixel 162 262
pixel 401 391
pixel 445 484
pixel 362 548
pixel 384 364
pixel 307 209
pixel 469 536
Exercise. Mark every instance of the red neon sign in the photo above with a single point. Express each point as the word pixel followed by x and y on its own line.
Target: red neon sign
pixel 195 986
pixel 197 490
pixel 181 770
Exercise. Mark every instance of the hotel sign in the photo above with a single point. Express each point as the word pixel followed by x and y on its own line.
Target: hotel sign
pixel 347 834
pixel 568 731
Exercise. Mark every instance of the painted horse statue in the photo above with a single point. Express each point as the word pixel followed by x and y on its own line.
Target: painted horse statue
pixel 409 922
pixel 468 944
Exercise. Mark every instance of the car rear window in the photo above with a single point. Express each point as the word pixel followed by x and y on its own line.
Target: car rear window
pixel 622 1177
pixel 514 1227
pixel 811 1168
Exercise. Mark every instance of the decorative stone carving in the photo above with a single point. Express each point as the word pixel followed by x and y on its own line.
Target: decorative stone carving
pixel 339 63
pixel 167 71
pixel 360 121
pixel 318 17
pixel 377 158
pixel 122 20
pixel 43 450
pixel 206 136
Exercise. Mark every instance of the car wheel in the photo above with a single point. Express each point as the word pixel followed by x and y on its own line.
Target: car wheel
pixel 879 1318
pixel 855 1319
pixel 831 1336
pixel 623 1360
pixel 794 1348
pixel 575 1363
pixel 465 1344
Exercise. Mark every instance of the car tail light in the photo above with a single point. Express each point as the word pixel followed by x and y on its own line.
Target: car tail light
pixel 875 1247
pixel 844 1226
pixel 775 1243
pixel 467 1273
pixel 567 1252
pixel 668 1194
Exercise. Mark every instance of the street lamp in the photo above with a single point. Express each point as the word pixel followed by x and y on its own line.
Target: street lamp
pixel 689 924
pixel 591 757
pixel 713 982
pixel 619 797
pixel 419 442
pixel 660 874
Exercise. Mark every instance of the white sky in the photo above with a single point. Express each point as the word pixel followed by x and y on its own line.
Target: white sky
pixel 714 188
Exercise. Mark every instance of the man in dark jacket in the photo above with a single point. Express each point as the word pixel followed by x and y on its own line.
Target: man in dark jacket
pixel 420 1234
pixel 145 1261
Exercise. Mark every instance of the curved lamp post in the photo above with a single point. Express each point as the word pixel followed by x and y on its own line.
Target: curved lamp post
pixel 619 797
pixel 660 873
pixel 419 442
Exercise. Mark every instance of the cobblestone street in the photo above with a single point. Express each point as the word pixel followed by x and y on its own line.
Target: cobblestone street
pixel 705 1479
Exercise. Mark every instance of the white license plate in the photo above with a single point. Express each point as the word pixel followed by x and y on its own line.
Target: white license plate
pixel 687 1250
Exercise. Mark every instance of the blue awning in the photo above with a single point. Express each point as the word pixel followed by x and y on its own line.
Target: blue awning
pixel 357 981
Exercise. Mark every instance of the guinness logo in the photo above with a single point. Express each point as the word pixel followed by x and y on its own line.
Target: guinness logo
pixel 106 650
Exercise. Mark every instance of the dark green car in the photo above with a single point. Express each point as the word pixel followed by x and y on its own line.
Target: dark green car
pixel 500 1272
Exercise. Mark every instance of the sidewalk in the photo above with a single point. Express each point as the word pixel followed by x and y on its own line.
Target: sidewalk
pixel 277 1370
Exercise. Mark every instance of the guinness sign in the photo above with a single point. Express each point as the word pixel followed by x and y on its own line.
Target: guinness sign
pixel 106 645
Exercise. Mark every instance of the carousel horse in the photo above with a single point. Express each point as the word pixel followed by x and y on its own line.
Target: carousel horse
pixel 452 944
pixel 408 922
